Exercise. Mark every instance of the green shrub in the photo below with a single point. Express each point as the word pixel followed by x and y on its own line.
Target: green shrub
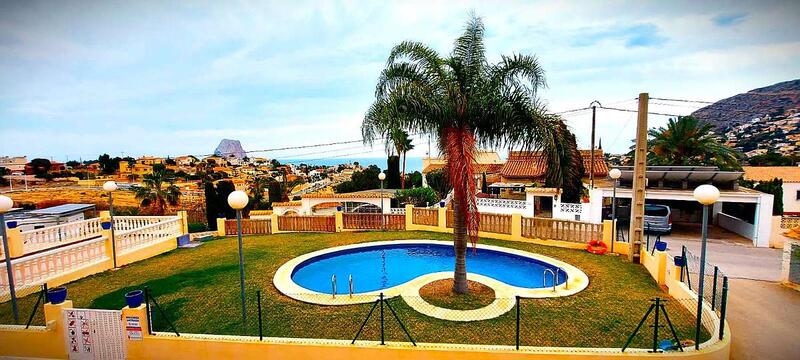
pixel 421 196
pixel 197 227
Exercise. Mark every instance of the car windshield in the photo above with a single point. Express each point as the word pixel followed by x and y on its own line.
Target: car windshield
pixel 655 211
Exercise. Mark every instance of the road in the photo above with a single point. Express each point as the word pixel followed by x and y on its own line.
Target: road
pixel 763 315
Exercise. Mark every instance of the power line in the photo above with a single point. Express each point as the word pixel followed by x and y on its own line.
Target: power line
pixel 635 111
pixel 683 100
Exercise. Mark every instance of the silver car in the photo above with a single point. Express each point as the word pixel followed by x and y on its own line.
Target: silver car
pixel 657 219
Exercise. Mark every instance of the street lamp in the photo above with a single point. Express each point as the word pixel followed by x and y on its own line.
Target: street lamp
pixel 5 204
pixel 614 174
pixel 381 177
pixel 707 195
pixel 110 187
pixel 237 201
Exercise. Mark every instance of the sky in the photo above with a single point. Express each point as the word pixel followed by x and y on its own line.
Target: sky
pixel 167 78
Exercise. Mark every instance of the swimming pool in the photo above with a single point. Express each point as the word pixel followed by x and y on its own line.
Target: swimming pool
pixel 402 267
pixel 384 266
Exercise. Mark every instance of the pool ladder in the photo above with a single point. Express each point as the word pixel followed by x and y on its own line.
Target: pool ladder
pixel 554 275
pixel 333 285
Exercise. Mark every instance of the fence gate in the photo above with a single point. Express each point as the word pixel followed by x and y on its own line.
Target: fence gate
pixel 794 263
pixel 94 334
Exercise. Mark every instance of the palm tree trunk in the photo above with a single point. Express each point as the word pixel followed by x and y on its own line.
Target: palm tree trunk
pixel 460 247
pixel 403 174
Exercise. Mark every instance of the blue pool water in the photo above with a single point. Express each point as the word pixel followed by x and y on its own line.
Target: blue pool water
pixel 383 266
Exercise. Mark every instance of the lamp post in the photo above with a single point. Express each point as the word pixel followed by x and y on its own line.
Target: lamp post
pixel 237 201
pixel 614 174
pixel 381 177
pixel 707 195
pixel 5 204
pixel 110 187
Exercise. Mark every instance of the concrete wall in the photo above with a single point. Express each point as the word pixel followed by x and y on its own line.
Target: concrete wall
pixel 791 205
pixel 736 225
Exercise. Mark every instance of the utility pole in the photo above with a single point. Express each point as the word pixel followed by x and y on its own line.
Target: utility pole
pixel 594 106
pixel 639 181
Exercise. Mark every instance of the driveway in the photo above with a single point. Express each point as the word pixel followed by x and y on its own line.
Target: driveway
pixel 763 315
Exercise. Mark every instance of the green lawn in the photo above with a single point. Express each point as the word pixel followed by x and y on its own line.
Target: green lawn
pixel 199 290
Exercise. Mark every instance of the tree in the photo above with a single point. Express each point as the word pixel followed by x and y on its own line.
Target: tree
pixel 212 211
pixel 414 179
pixel 773 159
pixel 225 188
pixel 403 145
pixel 688 141
pixel 774 187
pixel 366 179
pixel 439 181
pixel 257 189
pixel 464 102
pixel 40 167
pixel 421 196
pixel 108 165
pixel 158 191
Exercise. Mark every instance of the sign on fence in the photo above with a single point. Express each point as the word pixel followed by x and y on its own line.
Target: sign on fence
pixel 94 334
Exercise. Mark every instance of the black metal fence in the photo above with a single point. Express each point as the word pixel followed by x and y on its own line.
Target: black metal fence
pixel 516 322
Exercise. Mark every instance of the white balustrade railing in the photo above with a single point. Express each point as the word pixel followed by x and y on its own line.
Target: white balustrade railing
pixel 571 208
pixel 398 211
pixel 501 203
pixel 125 223
pixel 34 270
pixel 51 236
pixel 129 240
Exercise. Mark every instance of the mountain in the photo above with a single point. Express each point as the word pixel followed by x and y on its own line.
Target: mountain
pixel 228 147
pixel 760 120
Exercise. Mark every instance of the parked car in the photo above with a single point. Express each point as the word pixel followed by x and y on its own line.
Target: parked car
pixel 657 219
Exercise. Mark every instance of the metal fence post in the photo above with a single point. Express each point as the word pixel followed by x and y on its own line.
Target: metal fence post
pixel 655 325
pixel 723 306
pixel 517 322
pixel 260 327
pixel 147 308
pixel 382 337
pixel 714 289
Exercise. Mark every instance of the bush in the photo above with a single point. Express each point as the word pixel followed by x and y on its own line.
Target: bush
pixel 422 196
pixel 197 227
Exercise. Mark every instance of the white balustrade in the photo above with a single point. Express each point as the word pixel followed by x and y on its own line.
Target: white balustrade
pixel 398 211
pixel 51 236
pixel 125 223
pixel 34 270
pixel 501 203
pixel 129 240
pixel 571 208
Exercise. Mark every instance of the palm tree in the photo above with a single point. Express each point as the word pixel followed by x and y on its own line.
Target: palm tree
pixel 464 102
pixel 688 141
pixel 402 144
pixel 155 194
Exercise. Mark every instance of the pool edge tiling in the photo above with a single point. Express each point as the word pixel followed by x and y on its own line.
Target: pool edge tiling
pixel 577 279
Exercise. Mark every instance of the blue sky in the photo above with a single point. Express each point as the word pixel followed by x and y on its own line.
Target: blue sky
pixel 80 78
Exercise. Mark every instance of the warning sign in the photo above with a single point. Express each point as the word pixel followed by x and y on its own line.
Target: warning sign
pixel 133 327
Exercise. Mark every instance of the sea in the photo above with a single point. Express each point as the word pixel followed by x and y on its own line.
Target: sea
pixel 412 163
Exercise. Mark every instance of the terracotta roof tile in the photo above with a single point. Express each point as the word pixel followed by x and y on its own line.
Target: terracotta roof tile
pixel 789 174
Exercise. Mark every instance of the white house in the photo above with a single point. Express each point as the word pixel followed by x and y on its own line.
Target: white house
pixel 791 183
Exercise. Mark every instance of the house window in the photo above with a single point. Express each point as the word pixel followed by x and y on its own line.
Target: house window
pixel 798 195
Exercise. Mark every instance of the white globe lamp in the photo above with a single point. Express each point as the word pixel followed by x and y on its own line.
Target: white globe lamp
pixel 382 176
pixel 5 204
pixel 110 186
pixel 706 194
pixel 615 174
pixel 238 200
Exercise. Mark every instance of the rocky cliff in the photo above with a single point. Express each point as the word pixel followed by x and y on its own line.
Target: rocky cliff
pixel 228 147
